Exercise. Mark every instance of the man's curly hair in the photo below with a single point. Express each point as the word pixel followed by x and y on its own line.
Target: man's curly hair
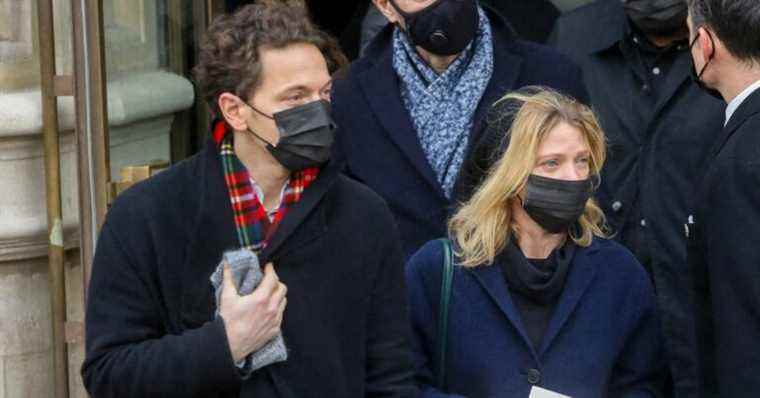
pixel 229 51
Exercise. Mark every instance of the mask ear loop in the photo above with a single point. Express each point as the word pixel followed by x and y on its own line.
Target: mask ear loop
pixel 712 55
pixel 251 130
pixel 258 111
pixel 259 137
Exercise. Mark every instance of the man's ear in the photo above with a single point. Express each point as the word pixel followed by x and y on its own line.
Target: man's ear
pixel 706 43
pixel 233 111
pixel 390 13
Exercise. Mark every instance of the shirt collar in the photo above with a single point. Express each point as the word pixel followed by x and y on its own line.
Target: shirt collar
pixel 739 99
pixel 260 196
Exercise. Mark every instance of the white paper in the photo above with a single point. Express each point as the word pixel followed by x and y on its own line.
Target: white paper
pixel 538 392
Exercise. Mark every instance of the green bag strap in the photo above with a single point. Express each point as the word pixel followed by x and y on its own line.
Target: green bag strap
pixel 447 277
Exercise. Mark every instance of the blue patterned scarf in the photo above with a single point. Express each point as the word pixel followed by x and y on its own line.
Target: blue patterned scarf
pixel 442 106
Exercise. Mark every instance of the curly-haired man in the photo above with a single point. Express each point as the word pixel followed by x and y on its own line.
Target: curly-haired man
pixel 173 313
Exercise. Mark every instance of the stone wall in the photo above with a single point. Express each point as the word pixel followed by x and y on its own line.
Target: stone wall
pixel 142 101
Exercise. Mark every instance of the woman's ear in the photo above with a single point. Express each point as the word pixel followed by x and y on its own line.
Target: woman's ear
pixel 233 111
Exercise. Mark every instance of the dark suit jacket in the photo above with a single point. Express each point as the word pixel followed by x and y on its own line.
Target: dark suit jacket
pixel 377 141
pixel 602 341
pixel 150 321
pixel 725 258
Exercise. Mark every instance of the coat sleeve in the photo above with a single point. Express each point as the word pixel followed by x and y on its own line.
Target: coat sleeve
pixel 640 368
pixel 423 321
pixel 389 370
pixel 128 351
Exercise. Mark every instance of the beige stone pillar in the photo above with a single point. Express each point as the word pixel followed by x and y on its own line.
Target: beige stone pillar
pixel 142 100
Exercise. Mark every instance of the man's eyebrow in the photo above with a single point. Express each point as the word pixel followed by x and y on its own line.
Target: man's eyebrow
pixel 294 87
pixel 301 87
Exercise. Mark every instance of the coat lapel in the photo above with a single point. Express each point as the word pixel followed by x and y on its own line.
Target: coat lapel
pixel 381 88
pixel 492 280
pixel 214 227
pixel 213 233
pixel 747 109
pixel 582 272
pixel 506 70
pixel 299 217
pixel 214 230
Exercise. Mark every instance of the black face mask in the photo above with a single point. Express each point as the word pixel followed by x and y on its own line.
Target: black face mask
pixel 445 27
pixel 697 77
pixel 554 204
pixel 657 17
pixel 307 133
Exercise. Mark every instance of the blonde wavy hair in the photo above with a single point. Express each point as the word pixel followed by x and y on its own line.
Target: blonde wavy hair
pixel 483 225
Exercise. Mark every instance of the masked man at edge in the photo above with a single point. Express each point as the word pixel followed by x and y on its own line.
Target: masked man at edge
pixel 724 231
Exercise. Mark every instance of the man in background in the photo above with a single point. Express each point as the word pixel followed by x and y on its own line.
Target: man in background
pixel 660 126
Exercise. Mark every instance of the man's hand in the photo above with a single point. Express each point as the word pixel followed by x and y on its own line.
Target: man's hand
pixel 252 321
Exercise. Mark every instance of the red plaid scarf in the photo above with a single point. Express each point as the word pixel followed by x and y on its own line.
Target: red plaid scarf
pixel 254 228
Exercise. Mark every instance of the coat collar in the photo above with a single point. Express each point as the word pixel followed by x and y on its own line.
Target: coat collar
pixel 214 223
pixel 380 84
pixel 748 108
pixel 581 274
pixel 609 29
pixel 608 32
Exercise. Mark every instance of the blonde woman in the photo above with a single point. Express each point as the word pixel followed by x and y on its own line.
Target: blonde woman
pixel 540 299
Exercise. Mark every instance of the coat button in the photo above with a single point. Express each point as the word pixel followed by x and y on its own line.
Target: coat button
pixel 616 206
pixel 643 223
pixel 534 376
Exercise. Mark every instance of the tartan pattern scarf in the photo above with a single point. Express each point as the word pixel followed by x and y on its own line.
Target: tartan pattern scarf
pixel 254 229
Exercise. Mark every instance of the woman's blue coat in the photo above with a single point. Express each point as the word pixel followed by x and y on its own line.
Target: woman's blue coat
pixel 602 341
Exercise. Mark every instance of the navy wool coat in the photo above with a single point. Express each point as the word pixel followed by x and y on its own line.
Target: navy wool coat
pixel 602 341
pixel 150 321
pixel 378 143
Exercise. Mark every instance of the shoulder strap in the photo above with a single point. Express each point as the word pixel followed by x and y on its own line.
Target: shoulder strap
pixel 447 275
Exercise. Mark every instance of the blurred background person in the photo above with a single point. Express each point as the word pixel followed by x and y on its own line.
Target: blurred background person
pixel 660 126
